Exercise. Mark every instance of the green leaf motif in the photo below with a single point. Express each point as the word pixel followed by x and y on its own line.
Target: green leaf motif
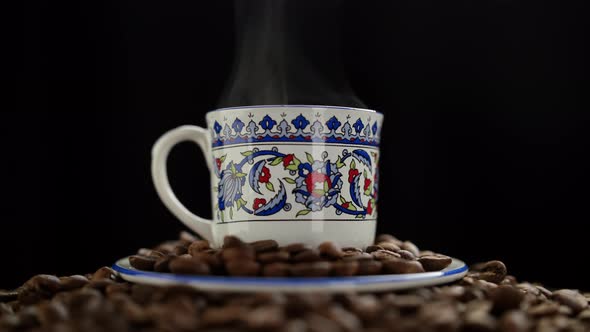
pixel 369 190
pixel 365 173
pixel 339 163
pixel 292 167
pixel 222 159
pixel 353 164
pixel 342 200
pixel 270 186
pixel 276 161
pixel 231 213
pixel 289 180
pixel 241 175
pixel 309 158
pixel 360 216
pixel 303 213
pixel 326 187
pixel 233 168
pixel 247 153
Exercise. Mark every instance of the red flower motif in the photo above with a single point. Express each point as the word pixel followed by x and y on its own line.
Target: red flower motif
pixel 264 175
pixel 258 202
pixel 315 183
pixel 367 184
pixel 352 174
pixel 370 207
pixel 218 163
pixel 346 205
pixel 288 160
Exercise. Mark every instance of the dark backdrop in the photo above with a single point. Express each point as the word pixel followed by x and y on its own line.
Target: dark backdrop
pixel 485 147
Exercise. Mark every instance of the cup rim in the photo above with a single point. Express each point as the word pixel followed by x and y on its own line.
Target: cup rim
pixel 294 106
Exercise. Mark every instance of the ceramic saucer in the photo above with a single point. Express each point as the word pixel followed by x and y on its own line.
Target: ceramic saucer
pixel 377 283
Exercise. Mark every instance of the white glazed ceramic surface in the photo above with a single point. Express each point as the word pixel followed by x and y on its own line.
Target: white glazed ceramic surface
pixel 455 271
pixel 292 173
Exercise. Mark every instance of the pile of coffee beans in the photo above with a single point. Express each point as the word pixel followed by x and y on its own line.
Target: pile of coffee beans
pixel 265 258
pixel 487 300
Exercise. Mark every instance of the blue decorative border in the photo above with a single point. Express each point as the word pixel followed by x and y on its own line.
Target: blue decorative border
pixel 282 281
pixel 296 106
pixel 337 129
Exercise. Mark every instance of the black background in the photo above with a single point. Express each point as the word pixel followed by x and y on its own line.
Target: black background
pixel 485 147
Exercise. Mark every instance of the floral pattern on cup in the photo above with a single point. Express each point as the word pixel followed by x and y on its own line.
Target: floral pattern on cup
pixel 313 184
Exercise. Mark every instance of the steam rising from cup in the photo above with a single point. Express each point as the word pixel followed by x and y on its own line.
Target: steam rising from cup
pixel 288 52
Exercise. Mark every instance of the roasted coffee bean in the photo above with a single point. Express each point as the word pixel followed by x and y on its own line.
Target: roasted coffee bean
pixel 273 257
pixel 543 309
pixel 571 298
pixel 187 237
pixel 7 296
pixel 264 245
pixel 372 248
pixel 369 267
pixel 345 268
pixel 479 320
pixel 354 256
pixel 52 312
pixel 180 250
pixel 435 262
pixel 389 246
pixel 347 320
pixel 313 269
pixel 506 298
pixel 142 262
pixel 294 248
pixel 213 261
pixel 352 250
pixel 239 253
pixel 406 255
pixel 117 288
pixel 265 318
pixel 103 273
pixel 330 249
pixel 243 268
pixel 44 283
pixel 409 246
pixel 383 255
pixel 223 316
pixel 163 264
pixel 230 241
pixel 73 282
pixel 276 270
pixel 543 290
pixel 402 266
pixel 189 266
pixel 308 255
pixel 493 271
pixel 318 323
pixel 387 238
pixel 439 316
pixel 515 321
pixel 198 246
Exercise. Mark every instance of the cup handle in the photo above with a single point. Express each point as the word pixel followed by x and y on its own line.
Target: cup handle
pixel 160 154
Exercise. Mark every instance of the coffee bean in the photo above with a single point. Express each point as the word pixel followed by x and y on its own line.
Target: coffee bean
pixel 347 320
pixel 294 248
pixel 73 282
pixel 243 268
pixel 584 315
pixel 354 256
pixel 313 269
pixel 213 261
pixel 52 312
pixel 230 241
pixel 222 316
pixel 308 255
pixel 529 288
pixel 372 248
pixel 352 250
pixel 142 262
pixel 387 238
pixel 317 323
pixel 479 320
pixel 366 307
pixel 117 288
pixel 369 267
pixel 345 268
pixel 187 237
pixel 514 321
pixel 406 255
pixel 402 266
pixel 103 273
pixel 44 283
pixel 543 309
pixel 239 253
pixel 383 255
pixel 180 250
pixel 264 245
pixel 276 270
pixel 198 246
pixel 163 264
pixel 330 249
pixel 506 298
pixel 265 318
pixel 493 271
pixel 389 246
pixel 188 266
pixel 544 291
pixel 273 257
pixel 571 298
pixel 439 316
pixel 409 246
pixel 6 296
pixel 435 262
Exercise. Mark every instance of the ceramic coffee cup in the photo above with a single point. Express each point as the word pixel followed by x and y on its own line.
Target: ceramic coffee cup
pixel 291 173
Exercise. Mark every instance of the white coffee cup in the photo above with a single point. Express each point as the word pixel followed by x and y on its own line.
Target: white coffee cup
pixel 293 173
